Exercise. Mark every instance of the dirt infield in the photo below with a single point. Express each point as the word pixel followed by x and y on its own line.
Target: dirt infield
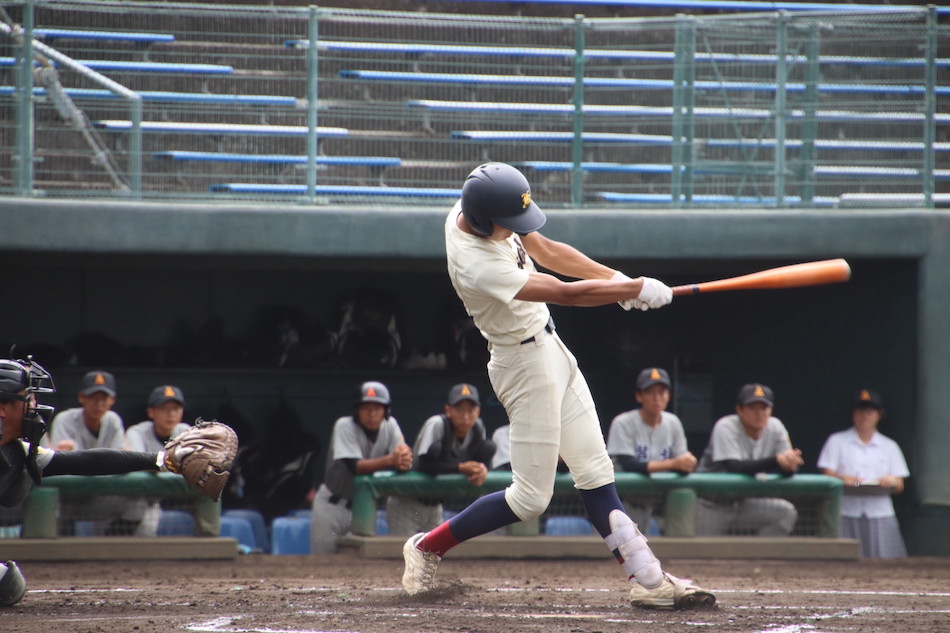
pixel 309 594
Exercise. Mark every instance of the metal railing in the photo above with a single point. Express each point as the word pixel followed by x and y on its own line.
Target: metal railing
pixel 315 105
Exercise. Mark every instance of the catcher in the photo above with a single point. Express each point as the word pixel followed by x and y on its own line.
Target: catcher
pixel 203 455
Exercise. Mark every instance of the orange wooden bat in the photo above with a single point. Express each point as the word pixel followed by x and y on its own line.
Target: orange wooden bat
pixel 829 271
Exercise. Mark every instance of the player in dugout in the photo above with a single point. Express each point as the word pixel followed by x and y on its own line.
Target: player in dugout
pixel 24 462
pixel 492 244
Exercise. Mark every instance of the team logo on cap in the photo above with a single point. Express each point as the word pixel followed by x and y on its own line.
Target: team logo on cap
pixel 525 199
pixel 655 375
pixel 169 392
pixel 759 393
pixel 100 379
pixel 865 395
pixel 370 392
pixel 466 391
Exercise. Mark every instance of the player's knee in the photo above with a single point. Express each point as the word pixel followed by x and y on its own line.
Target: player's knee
pixel 12 584
pixel 528 506
pixel 788 517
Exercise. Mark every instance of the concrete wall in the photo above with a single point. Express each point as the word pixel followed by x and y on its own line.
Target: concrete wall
pixel 147 274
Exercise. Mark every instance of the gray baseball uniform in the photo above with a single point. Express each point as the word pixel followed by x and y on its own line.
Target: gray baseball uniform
pixel 100 510
pixel 141 437
pixel 630 435
pixel 332 516
pixel 632 443
pixel 68 425
pixel 760 515
pixel 408 515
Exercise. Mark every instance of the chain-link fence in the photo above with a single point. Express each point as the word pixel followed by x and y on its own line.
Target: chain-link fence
pixel 328 105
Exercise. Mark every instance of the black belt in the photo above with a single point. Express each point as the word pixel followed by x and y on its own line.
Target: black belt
pixel 336 499
pixel 549 328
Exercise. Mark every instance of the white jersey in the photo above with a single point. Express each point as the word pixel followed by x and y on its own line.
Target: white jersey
pixel 730 441
pixel 141 436
pixel 846 454
pixel 630 435
pixel 68 425
pixel 482 274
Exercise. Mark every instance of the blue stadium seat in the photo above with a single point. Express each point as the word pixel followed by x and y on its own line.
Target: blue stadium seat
pixel 176 523
pixel 568 526
pixel 382 523
pixel 240 529
pixel 258 525
pixel 290 535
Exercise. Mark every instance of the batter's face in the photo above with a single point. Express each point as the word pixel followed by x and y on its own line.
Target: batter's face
pixel 166 417
pixel 754 417
pixel 463 416
pixel 370 415
pixel 654 399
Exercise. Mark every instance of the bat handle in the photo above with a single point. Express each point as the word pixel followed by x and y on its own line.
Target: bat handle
pixel 690 289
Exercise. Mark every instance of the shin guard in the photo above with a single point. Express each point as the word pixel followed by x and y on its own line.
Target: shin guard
pixel 631 549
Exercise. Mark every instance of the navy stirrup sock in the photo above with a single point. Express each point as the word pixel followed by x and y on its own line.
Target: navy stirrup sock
pixel 482 516
pixel 599 503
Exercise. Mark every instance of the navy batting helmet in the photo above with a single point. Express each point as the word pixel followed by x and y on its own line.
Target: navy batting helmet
pixel 498 193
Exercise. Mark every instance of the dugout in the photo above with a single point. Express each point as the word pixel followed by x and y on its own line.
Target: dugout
pixel 142 272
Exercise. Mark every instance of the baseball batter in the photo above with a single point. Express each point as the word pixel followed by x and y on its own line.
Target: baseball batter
pixel 492 244
pixel 368 441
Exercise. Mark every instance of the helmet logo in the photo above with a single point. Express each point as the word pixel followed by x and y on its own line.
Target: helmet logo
pixel 370 392
pixel 525 199
pixel 865 395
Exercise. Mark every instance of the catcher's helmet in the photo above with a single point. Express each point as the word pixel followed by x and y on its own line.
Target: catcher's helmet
pixel 20 378
pixel 498 193
pixel 373 391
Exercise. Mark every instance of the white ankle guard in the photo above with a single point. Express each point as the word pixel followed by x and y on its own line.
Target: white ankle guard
pixel 637 558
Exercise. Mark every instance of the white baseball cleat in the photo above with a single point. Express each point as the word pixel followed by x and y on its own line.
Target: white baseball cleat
pixel 673 593
pixel 419 574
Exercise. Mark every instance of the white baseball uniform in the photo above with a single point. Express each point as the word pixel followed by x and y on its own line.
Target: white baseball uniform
pixel 533 373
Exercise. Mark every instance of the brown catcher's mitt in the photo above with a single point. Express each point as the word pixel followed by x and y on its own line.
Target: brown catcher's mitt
pixel 203 455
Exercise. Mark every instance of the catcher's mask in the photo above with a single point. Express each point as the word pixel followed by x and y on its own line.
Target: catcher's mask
pixel 20 380
pixel 500 194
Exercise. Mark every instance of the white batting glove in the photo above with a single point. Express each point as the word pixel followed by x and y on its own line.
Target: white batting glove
pixel 626 304
pixel 654 294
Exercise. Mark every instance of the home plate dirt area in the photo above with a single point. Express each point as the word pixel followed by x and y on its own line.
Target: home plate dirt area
pixel 345 593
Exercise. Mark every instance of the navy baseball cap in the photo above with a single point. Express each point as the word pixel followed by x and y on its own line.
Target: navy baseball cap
pixel 756 392
pixel 463 391
pixel 96 381
pixel 165 393
pixel 868 398
pixel 653 376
